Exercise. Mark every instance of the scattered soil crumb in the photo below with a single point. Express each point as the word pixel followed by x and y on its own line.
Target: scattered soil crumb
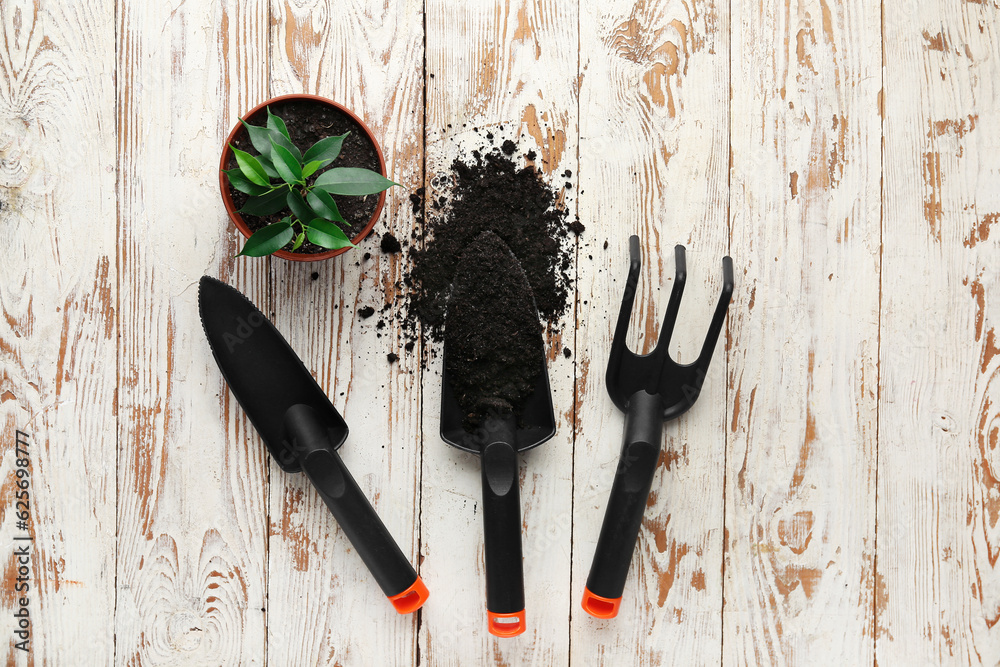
pixel 366 312
pixel 390 244
pixel 392 357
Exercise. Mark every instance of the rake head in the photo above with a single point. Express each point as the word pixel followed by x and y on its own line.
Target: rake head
pixel 676 385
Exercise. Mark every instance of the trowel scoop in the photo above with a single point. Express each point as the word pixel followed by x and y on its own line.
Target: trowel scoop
pixel 495 402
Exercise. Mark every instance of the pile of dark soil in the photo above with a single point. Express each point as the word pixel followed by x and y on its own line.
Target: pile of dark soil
pixel 307 123
pixel 493 341
pixel 490 193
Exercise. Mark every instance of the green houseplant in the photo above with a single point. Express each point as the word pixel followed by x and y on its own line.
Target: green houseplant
pixel 298 175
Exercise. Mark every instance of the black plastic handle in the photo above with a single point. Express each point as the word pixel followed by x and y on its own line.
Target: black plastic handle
pixel 502 529
pixel 355 515
pixel 623 517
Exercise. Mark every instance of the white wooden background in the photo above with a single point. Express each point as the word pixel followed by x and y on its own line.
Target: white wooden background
pixel 833 498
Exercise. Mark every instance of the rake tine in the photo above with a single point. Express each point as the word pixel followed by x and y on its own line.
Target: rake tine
pixel 618 349
pixel 674 305
pixel 719 318
pixel 628 300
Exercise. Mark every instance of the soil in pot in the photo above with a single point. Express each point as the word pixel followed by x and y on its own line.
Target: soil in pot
pixel 489 191
pixel 309 121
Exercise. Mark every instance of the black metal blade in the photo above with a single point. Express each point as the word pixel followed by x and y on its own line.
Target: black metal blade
pixel 537 423
pixel 263 372
pixel 536 417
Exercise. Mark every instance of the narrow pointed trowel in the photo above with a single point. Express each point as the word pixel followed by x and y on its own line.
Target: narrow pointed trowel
pixel 495 402
pixel 301 429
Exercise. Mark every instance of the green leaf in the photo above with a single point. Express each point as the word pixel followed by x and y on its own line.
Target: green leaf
pixel 288 167
pixel 267 240
pixel 250 167
pixel 268 166
pixel 325 150
pixel 322 203
pixel 298 206
pixel 261 138
pixel 352 181
pixel 283 141
pixel 272 202
pixel 243 184
pixel 299 240
pixel 327 235
pixel 275 123
pixel 310 168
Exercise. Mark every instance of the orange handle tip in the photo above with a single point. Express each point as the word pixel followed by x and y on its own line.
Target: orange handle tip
pixel 599 607
pixel 412 599
pixel 506 625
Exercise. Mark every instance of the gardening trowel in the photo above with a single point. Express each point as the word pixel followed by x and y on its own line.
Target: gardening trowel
pixel 503 429
pixel 301 429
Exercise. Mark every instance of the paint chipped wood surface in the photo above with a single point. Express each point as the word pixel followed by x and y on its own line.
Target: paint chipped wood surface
pixel 937 588
pixel 800 486
pixel 669 186
pixel 315 580
pixel 499 70
pixel 831 499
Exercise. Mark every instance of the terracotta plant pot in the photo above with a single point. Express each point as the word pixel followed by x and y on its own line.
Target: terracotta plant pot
pixel 238 219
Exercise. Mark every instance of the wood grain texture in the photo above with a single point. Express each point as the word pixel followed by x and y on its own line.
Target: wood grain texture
pixel 653 162
pixel 191 511
pixel 833 497
pixel 509 69
pixel 800 513
pixel 327 607
pixel 57 333
pixel 938 588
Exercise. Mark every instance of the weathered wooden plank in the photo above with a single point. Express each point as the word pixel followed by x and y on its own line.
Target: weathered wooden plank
pixel 805 176
pixel 367 56
pixel 654 125
pixel 57 333
pixel 192 498
pixel 653 82
pixel 510 69
pixel 938 589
